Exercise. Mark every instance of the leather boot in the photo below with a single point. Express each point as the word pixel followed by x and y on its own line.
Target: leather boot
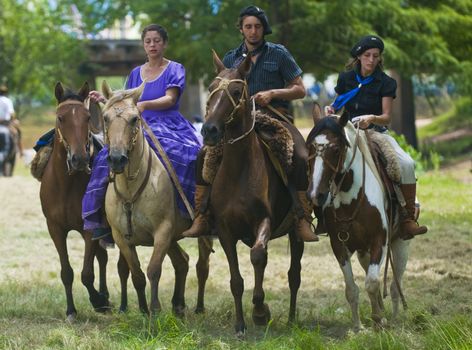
pixel 303 224
pixel 201 224
pixel 409 227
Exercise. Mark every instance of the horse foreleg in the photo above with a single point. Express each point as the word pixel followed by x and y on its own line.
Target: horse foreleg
pixel 352 293
pixel 296 252
pixel 261 311
pixel 99 301
pixel 137 275
pixel 179 259
pixel 372 282
pixel 59 237
pixel 205 246
pixel 400 259
pixel 162 243
pixel 364 259
pixel 236 282
pixel 123 272
pixel 102 258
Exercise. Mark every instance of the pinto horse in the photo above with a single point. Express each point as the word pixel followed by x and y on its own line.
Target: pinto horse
pixel 63 185
pixel 141 206
pixel 346 185
pixel 249 200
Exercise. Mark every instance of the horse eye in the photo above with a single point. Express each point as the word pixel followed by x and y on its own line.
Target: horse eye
pixel 134 119
pixel 61 118
pixel 106 119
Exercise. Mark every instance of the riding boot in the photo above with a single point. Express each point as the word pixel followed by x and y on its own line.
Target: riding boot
pixel 320 225
pixel 201 223
pixel 409 227
pixel 303 224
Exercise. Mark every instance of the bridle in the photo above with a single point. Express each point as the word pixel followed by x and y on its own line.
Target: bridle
pixel 134 138
pixel 61 139
pixel 223 85
pixel 335 187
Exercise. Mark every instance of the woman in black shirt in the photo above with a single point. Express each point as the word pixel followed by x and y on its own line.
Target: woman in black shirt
pixel 367 93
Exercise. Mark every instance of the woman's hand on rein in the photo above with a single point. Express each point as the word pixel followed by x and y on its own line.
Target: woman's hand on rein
pixel 364 120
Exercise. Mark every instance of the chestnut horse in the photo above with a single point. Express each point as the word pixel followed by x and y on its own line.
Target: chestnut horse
pixel 63 185
pixel 346 185
pixel 141 206
pixel 249 200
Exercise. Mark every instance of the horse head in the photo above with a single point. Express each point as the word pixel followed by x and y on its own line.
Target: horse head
pixel 73 122
pixel 327 144
pixel 227 102
pixel 122 124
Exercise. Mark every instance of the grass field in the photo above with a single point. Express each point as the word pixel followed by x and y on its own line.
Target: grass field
pixel 437 285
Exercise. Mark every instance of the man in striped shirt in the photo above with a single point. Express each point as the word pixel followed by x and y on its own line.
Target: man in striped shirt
pixel 274 80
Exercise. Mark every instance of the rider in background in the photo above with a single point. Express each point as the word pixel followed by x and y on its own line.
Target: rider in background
pixel 8 116
pixel 367 93
pixel 274 80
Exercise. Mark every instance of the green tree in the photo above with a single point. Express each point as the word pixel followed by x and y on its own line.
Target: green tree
pixel 38 47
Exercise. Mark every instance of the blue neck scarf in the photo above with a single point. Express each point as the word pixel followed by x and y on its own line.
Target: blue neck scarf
pixel 341 100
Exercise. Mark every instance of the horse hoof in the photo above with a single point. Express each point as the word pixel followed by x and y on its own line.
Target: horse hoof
pixel 179 311
pixel 71 318
pixel 101 304
pixel 200 310
pixel 261 316
pixel 241 335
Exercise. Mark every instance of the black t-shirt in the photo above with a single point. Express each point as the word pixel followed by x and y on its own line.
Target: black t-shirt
pixel 369 99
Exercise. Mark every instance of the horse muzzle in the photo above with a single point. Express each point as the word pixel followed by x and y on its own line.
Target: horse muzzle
pixel 79 162
pixel 320 199
pixel 117 160
pixel 211 134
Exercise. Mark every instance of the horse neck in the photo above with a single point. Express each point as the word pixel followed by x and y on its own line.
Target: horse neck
pixel 244 150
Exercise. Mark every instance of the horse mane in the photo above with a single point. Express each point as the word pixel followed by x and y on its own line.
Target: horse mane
pixel 330 123
pixel 118 96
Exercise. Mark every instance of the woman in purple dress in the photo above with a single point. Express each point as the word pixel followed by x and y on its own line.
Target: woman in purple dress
pixel 159 106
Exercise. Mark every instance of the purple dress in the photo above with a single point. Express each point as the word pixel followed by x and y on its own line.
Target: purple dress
pixel 176 135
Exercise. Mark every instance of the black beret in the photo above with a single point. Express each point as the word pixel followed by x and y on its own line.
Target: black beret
pixel 256 12
pixel 367 42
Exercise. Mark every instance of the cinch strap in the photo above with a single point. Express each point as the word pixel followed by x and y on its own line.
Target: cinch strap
pixel 341 100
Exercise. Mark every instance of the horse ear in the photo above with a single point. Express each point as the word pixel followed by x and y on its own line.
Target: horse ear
pixel 316 112
pixel 59 91
pixel 107 91
pixel 344 118
pixel 219 66
pixel 84 90
pixel 137 92
pixel 245 66
pixel 96 117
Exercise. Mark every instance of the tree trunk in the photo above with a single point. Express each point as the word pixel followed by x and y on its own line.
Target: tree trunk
pixel 403 109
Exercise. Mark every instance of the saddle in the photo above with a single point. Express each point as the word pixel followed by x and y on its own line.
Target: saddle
pixel 275 138
pixel 386 162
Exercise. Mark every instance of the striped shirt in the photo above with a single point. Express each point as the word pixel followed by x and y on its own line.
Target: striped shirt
pixel 275 68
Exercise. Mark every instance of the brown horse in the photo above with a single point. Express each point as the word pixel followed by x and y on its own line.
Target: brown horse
pixel 141 206
pixel 249 200
pixel 63 185
pixel 348 188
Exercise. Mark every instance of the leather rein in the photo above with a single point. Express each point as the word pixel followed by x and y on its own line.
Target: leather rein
pixel 61 139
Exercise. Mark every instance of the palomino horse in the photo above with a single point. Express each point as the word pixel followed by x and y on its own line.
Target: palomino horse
pixel 141 206
pixel 346 185
pixel 63 185
pixel 248 199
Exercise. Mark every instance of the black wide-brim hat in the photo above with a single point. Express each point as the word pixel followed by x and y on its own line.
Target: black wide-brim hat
pixel 260 14
pixel 365 43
